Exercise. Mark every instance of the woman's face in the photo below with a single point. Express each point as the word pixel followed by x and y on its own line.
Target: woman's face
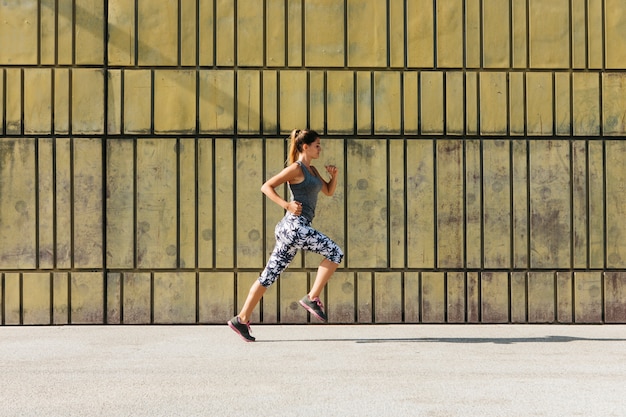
pixel 313 149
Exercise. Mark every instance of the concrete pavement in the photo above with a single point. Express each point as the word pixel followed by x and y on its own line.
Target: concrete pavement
pixel 325 370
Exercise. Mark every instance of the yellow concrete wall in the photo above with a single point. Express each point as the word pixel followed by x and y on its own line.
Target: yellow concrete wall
pixel 480 146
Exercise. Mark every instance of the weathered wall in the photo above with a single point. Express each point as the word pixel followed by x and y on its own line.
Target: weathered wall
pixel 480 146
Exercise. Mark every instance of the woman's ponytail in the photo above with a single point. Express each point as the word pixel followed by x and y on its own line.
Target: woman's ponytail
pixel 293 146
pixel 297 138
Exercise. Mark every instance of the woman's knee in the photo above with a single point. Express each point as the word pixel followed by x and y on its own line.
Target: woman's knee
pixel 336 255
pixel 265 281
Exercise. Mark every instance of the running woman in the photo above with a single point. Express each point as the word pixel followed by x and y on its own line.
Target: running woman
pixel 294 231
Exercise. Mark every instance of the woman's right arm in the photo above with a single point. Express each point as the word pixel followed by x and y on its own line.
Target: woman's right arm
pixel 269 189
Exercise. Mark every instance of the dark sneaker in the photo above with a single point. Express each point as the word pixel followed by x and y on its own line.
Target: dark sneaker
pixel 314 307
pixel 241 329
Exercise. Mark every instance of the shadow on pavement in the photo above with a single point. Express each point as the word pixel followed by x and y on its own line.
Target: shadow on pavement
pixel 495 340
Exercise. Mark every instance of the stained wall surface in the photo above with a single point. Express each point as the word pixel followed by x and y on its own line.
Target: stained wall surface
pixel 480 146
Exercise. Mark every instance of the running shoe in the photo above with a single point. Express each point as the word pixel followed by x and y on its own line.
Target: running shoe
pixel 314 307
pixel 242 329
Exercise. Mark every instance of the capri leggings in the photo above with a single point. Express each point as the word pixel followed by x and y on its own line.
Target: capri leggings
pixel 293 233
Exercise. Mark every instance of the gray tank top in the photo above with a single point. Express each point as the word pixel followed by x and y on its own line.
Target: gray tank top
pixel 306 192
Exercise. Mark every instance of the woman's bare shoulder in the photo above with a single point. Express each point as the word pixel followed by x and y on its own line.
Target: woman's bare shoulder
pixel 290 173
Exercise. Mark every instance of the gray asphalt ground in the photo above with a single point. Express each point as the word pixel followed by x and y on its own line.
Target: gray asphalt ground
pixel 321 370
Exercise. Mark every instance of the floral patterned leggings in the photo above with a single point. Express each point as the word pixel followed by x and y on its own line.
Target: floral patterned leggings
pixel 293 233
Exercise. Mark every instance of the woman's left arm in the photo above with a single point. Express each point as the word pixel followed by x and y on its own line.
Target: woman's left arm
pixel 328 187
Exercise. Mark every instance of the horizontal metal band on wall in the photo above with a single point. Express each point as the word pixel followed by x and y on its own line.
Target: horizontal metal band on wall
pixel 536 34
pixel 83 203
pixel 120 103
pixel 35 298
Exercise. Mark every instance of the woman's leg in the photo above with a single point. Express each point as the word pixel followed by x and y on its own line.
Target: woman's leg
pixel 321 244
pixel 324 272
pixel 254 296
pixel 281 257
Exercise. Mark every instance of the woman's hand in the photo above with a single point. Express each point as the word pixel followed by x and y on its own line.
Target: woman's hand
pixel 328 187
pixel 294 207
